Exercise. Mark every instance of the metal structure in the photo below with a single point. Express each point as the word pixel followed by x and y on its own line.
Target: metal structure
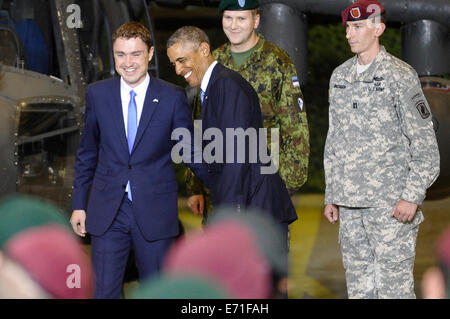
pixel 42 111
pixel 425 29
pixel 425 26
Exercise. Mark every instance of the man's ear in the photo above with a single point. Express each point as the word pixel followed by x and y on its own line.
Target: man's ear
pixel 150 53
pixel 205 49
pixel 257 19
pixel 380 27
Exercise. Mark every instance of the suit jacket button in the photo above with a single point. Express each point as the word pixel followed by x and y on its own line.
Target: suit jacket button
pixel 129 166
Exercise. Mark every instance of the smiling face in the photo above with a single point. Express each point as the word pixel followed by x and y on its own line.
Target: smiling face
pixel 131 58
pixel 239 27
pixel 189 62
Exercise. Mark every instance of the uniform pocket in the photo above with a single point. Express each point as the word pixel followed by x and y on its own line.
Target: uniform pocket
pixel 401 245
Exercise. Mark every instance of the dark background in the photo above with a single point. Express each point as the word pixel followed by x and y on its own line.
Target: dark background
pixel 327 48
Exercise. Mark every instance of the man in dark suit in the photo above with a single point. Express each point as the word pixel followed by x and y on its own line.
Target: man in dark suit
pixel 125 154
pixel 229 103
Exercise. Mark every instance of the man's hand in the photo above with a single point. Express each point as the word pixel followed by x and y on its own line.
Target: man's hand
pixel 404 211
pixel 78 222
pixel 331 212
pixel 197 204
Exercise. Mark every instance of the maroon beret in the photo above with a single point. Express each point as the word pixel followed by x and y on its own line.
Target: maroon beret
pixel 225 253
pixel 361 10
pixel 443 247
pixel 54 258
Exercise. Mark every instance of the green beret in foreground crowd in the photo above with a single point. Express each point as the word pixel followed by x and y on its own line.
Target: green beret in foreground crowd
pixel 19 212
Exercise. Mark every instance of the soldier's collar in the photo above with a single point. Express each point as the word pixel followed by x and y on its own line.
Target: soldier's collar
pixel 253 58
pixel 366 76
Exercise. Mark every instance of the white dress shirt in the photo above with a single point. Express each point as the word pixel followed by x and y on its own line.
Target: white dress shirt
pixel 140 91
pixel 207 76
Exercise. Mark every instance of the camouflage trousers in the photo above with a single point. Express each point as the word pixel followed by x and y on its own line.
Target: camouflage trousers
pixel 378 253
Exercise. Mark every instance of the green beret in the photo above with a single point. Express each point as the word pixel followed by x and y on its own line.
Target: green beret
pixel 19 213
pixel 179 287
pixel 238 5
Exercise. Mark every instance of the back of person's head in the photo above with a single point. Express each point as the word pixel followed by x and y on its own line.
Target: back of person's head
pixel 20 212
pixel 39 248
pixel 54 260
pixel 436 279
pixel 443 256
pixel 225 253
pixel 269 239
pixel 179 287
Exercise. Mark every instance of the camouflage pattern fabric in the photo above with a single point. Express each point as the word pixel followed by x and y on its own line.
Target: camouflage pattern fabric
pixel 381 146
pixel 378 253
pixel 272 74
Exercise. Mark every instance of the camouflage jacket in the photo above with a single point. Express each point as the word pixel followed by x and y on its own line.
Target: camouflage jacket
pixel 272 74
pixel 381 146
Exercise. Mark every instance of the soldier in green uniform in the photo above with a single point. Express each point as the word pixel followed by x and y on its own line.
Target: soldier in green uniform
pixel 271 72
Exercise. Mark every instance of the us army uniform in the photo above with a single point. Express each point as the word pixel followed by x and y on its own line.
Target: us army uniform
pixel 272 74
pixel 380 148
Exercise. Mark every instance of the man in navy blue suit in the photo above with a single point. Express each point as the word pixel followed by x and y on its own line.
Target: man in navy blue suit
pixel 228 103
pixel 125 155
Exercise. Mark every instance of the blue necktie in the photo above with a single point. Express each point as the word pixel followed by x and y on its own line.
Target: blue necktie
pixel 202 95
pixel 131 128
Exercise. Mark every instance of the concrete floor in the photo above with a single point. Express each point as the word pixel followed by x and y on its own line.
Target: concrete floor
pixel 315 257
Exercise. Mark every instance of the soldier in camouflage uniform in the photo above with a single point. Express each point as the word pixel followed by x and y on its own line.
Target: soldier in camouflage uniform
pixel 380 157
pixel 272 74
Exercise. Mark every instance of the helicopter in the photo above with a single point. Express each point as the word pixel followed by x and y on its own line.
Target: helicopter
pixel 51 50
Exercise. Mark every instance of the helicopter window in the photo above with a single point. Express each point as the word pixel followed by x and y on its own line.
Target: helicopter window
pixel 47 139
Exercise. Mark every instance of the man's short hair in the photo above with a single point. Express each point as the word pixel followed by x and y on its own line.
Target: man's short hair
pixel 188 34
pixel 131 30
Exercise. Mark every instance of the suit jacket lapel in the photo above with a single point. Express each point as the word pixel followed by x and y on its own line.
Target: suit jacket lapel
pixel 150 103
pixel 118 114
pixel 217 68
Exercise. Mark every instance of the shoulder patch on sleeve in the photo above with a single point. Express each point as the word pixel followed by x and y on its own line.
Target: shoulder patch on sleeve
pixel 422 108
pixel 418 104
